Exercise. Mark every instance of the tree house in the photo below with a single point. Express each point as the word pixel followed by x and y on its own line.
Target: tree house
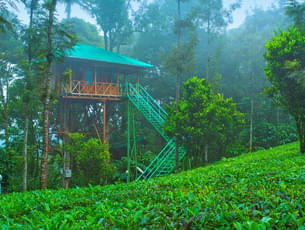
pixel 91 74
pixel 94 75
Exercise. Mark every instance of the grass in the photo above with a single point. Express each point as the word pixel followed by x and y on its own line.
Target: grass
pixel 262 190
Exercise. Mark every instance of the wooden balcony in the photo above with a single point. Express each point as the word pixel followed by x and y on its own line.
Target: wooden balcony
pixel 97 90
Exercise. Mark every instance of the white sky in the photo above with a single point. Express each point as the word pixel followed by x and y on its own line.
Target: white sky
pixel 238 16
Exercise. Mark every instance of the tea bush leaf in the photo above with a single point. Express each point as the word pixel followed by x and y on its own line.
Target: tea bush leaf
pixel 262 190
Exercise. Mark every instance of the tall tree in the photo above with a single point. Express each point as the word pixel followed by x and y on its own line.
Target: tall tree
pixel 9 56
pixel 180 60
pixel 242 67
pixel 213 17
pixel 285 70
pixel 112 17
pixel 69 4
pixel 56 39
pixel 51 8
pixel 178 77
pixel 296 11
pixel 29 89
pixel 204 119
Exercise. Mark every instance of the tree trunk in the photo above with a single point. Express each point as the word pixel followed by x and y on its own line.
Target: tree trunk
pixel 110 38
pixel 68 9
pixel 25 154
pixel 209 49
pixel 45 144
pixel 300 123
pixel 4 101
pixel 6 125
pixel 251 126
pixel 106 39
pixel 206 152
pixel 178 79
pixel 209 41
pixel 278 117
pixel 46 102
pixel 66 166
pixel 26 120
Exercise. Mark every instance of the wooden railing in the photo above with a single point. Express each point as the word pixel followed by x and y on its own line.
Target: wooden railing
pixel 96 88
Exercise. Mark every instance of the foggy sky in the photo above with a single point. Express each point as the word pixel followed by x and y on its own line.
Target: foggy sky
pixel 238 16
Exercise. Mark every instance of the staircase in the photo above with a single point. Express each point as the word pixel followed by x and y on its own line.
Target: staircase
pixel 165 162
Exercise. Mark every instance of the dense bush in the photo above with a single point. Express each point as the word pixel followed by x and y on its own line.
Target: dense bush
pixel 263 190
pixel 90 160
pixel 268 135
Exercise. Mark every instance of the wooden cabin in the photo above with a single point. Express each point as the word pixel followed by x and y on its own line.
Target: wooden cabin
pixel 92 73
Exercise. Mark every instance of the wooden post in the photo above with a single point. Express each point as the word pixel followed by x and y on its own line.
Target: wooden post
pixel 70 78
pixel 105 123
pixel 125 84
pixel 117 84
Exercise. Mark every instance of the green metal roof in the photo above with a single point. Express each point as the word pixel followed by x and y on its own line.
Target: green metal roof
pixel 93 53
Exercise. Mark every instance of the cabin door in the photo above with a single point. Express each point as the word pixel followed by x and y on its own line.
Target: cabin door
pixel 89 76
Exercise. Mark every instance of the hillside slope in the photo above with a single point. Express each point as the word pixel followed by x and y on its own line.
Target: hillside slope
pixel 253 191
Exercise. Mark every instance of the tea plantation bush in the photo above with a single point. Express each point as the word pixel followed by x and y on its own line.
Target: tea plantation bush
pixel 263 190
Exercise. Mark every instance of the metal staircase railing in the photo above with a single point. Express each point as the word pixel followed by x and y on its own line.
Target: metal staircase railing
pixel 164 163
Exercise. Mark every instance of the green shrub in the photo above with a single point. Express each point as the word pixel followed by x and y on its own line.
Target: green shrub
pixel 90 160
pixel 268 135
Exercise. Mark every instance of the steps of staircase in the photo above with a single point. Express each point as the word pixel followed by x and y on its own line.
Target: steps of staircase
pixel 165 161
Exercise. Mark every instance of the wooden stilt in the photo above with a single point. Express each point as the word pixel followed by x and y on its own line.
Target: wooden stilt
pixel 70 81
pixel 97 133
pixel 104 123
pixel 94 80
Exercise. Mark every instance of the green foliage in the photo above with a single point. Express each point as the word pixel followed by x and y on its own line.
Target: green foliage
pixel 112 17
pixel 262 190
pixel 204 119
pixel 296 11
pixel 86 33
pixel 268 135
pixel 5 23
pixel 90 160
pixel 285 66
pixel 180 60
pixel 213 16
